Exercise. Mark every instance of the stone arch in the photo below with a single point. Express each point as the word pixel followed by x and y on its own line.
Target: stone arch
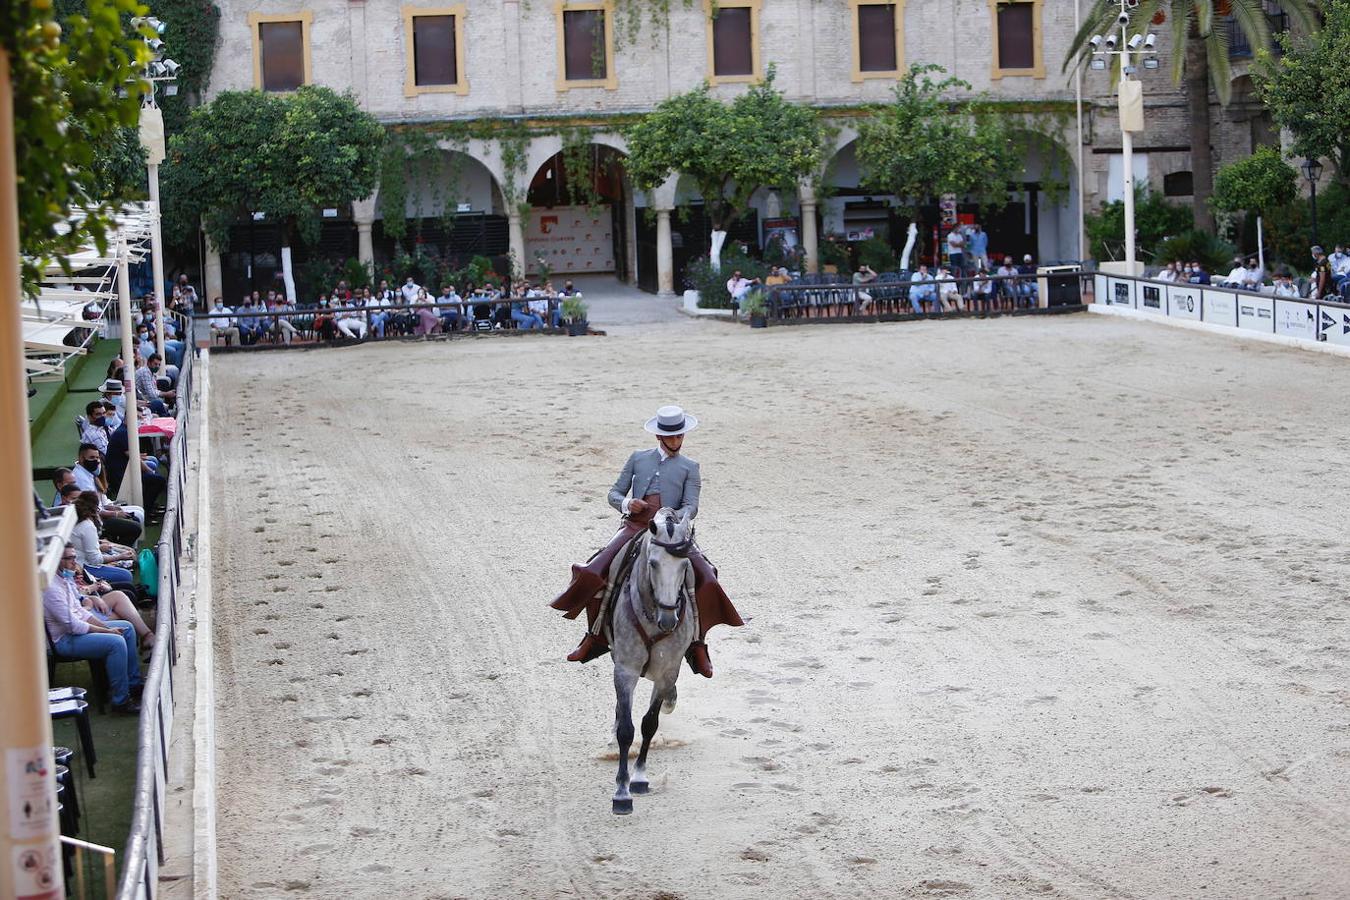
pixel 579 238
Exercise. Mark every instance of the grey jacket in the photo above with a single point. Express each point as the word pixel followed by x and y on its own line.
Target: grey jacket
pixel 680 482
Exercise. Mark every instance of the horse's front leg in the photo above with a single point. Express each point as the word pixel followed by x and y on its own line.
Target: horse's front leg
pixel 649 723
pixel 624 682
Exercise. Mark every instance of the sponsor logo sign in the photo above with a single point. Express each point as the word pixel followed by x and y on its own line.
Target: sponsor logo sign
pixel 1334 325
pixel 569 239
pixel 1221 308
pixel 1151 297
pixel 1183 302
pixel 1256 313
pixel 1296 319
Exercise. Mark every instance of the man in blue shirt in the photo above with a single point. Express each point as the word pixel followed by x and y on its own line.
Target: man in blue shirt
pixel 978 245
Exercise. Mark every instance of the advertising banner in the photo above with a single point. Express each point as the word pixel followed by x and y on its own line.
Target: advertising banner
pixel 1296 319
pixel 569 240
pixel 1220 308
pixel 1183 301
pixel 1119 292
pixel 1151 298
pixel 1256 313
pixel 1334 325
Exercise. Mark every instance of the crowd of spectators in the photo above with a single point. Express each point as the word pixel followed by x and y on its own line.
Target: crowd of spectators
pixel 1328 279
pixel 358 314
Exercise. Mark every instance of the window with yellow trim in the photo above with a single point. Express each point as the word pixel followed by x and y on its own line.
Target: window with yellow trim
pixel 434 43
pixel 878 38
pixel 1017 38
pixel 281 58
pixel 733 40
pixel 586 44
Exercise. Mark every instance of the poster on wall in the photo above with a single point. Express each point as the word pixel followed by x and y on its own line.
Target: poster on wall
pixel 1151 298
pixel 1220 308
pixel 569 240
pixel 1296 319
pixel 1119 292
pixel 1334 325
pixel 1184 302
pixel 1256 313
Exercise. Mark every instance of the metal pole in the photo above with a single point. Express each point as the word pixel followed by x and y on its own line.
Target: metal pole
pixel 1127 151
pixel 25 727
pixel 1317 241
pixel 157 261
pixel 133 421
pixel 1078 105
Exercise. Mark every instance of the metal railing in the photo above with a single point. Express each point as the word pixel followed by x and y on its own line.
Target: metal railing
pixel 897 298
pixel 144 851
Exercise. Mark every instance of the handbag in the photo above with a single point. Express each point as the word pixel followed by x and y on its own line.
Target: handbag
pixel 147 568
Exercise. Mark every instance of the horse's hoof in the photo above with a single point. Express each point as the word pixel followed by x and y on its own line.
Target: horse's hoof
pixel 638 787
pixel 623 807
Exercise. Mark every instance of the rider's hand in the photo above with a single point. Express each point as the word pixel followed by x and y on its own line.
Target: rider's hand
pixel 636 506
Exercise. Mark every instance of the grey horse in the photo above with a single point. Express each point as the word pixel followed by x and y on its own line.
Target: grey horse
pixel 654 621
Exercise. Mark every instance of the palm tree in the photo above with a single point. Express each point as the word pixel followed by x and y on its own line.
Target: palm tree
pixel 1199 60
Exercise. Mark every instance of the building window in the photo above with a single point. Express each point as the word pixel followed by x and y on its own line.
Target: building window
pixel 280 50
pixel 1178 184
pixel 434 43
pixel 1017 38
pixel 585 45
pixel 733 40
pixel 878 38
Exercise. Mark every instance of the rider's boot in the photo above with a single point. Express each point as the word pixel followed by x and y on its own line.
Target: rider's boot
pixel 591 646
pixel 697 657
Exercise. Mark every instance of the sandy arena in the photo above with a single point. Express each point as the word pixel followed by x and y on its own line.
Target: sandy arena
pixel 1049 607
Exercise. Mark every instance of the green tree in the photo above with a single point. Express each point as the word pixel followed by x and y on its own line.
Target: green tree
pixel 1256 184
pixel 921 145
pixel 66 78
pixel 287 156
pixel 1308 89
pixel 1199 60
pixel 1155 220
pixel 729 150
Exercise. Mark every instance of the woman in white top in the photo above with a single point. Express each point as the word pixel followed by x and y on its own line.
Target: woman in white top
pixel 94 553
pixel 1168 273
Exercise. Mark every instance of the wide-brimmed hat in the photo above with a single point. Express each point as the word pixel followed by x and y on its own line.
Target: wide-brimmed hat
pixel 670 421
pixel 112 386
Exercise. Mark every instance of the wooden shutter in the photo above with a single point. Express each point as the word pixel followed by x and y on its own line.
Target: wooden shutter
pixel 584 44
pixel 434 50
pixel 732 50
pixel 1016 36
pixel 876 37
pixel 283 55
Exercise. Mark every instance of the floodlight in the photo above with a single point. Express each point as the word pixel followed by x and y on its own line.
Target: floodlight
pixel 1096 41
pixel 170 90
pixel 1111 41
pixel 150 22
pixel 1136 42
pixel 154 44
pixel 1123 19
pixel 170 67
pixel 1099 65
pixel 1150 41
pixel 1151 62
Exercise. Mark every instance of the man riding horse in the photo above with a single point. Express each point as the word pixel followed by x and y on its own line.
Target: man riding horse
pixel 651 479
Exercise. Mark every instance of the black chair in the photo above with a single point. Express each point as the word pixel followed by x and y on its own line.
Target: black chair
pixel 77 709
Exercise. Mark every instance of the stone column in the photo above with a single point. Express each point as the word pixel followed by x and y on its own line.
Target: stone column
pixel 808 206
pixel 517 234
pixel 363 214
pixel 665 256
pixel 213 285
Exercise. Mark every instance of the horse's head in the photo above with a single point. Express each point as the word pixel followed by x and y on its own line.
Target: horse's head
pixel 669 571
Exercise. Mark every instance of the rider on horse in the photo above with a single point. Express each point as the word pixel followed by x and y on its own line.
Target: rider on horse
pixel 651 479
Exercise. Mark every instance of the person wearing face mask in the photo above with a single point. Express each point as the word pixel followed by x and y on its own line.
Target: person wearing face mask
pixel 78 633
pixel 96 430
pixel 95 554
pixel 123 524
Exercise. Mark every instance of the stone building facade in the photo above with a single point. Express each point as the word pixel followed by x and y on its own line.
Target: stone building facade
pixel 525 61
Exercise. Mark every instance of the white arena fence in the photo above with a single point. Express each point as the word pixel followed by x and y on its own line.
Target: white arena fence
pixel 1312 321
pixel 144 851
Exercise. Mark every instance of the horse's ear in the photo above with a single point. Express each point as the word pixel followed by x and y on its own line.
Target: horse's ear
pixel 651 526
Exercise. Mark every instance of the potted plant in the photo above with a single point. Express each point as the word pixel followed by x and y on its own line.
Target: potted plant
pixel 753 306
pixel 574 314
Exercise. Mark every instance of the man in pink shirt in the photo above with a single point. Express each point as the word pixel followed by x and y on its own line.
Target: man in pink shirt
pixel 80 633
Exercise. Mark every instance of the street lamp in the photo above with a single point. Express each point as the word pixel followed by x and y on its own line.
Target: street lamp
pixel 1312 170
pixel 160 70
pixel 1130 50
